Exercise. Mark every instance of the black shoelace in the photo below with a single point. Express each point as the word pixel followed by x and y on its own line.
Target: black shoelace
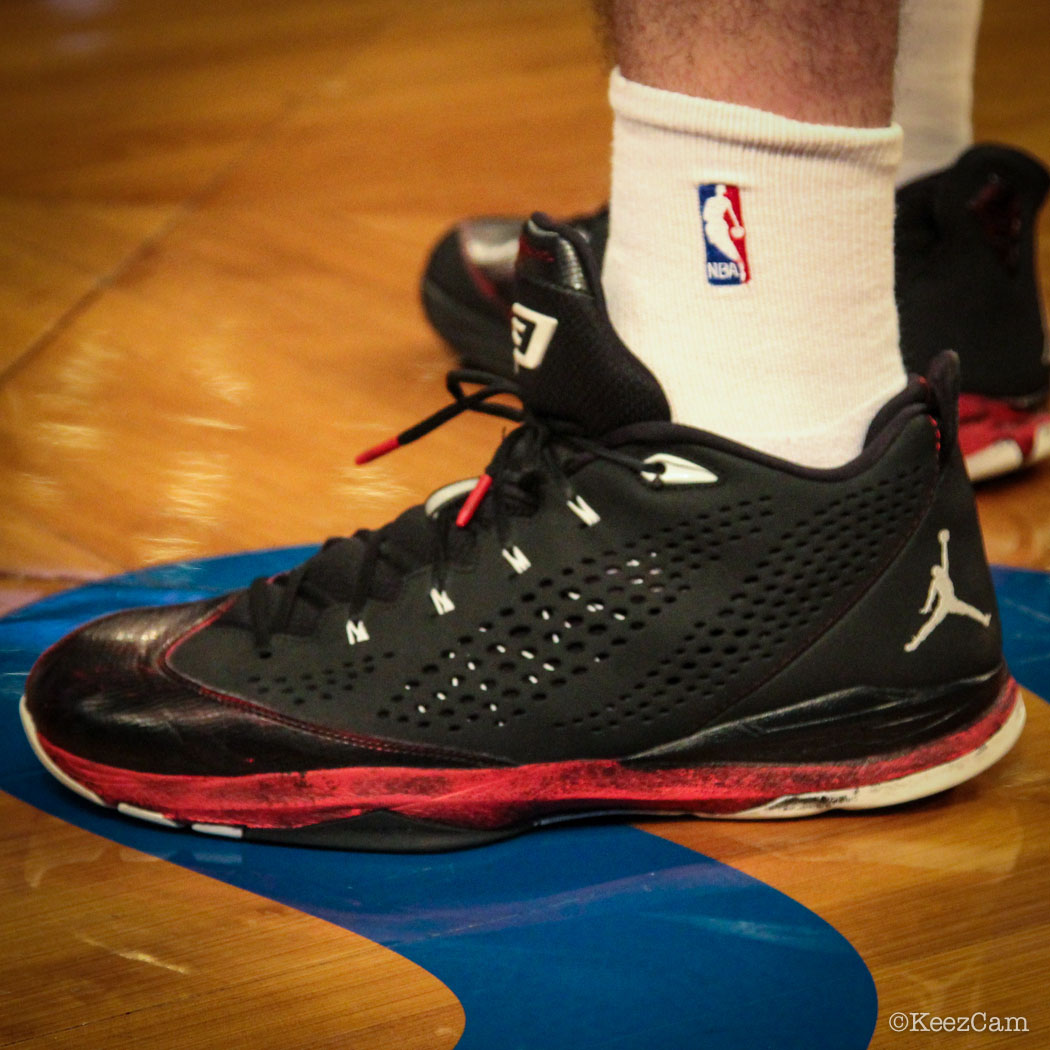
pixel 536 453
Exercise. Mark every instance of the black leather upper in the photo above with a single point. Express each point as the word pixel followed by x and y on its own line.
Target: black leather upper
pixel 598 612
pixel 108 693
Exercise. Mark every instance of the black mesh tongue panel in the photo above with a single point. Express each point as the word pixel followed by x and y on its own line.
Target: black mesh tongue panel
pixel 569 362
pixel 334 569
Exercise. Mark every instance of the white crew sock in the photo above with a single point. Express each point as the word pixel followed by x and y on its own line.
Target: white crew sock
pixel 798 359
pixel 933 82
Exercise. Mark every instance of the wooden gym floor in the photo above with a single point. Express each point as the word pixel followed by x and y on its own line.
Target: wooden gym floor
pixel 212 223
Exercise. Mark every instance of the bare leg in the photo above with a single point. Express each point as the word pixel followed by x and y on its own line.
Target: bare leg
pixel 819 61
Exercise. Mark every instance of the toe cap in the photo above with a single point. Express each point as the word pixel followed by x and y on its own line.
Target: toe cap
pixel 107 695
pixel 104 692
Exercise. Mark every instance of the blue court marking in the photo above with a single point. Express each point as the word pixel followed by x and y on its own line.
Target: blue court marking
pixel 1024 608
pixel 581 938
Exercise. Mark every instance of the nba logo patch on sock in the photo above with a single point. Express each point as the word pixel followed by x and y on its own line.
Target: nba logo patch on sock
pixel 724 234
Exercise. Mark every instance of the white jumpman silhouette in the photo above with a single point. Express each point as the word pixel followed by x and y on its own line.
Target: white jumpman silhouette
pixel 720 224
pixel 941 600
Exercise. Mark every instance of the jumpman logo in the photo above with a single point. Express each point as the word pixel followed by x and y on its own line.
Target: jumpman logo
pixel 941 601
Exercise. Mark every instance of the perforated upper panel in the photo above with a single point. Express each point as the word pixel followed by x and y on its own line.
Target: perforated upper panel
pixel 634 638
pixel 526 655
pixel 791 590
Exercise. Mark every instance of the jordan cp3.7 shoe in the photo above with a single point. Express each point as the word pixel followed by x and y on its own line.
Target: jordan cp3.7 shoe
pixel 622 615
pixel 966 281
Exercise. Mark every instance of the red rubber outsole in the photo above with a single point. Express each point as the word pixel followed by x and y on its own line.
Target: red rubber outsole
pixel 500 797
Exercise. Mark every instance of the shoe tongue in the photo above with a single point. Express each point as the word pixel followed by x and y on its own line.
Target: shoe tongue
pixel 569 362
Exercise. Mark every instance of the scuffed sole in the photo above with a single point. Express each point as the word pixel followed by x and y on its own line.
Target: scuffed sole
pixel 908 788
pixel 423 810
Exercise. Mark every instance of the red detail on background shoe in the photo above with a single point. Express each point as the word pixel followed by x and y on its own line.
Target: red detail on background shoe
pixel 498 797
pixel 470 504
pixel 485 287
pixel 985 421
pixel 526 247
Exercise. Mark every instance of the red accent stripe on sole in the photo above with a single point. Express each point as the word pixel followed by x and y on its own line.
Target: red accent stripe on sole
pixel 494 798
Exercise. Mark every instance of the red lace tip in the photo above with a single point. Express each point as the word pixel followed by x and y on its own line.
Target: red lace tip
pixel 377 450
pixel 470 504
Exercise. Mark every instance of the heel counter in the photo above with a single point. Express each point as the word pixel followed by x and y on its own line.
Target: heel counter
pixel 930 617
pixel 913 629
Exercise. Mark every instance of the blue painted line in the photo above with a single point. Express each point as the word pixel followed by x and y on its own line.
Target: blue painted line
pixel 1024 608
pixel 577 938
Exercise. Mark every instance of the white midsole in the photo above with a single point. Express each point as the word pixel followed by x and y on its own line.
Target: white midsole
pixel 904 789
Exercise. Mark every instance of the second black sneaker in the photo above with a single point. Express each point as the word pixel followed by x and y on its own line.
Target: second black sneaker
pixel 966 281
pixel 620 616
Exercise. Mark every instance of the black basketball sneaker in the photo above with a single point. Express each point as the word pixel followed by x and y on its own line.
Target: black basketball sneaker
pixel 622 615
pixel 966 281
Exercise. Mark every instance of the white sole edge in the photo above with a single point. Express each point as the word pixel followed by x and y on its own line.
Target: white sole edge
pixel 1040 444
pixel 1004 457
pixel 225 831
pixel 121 807
pixel 146 814
pixel 45 758
pixel 908 788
